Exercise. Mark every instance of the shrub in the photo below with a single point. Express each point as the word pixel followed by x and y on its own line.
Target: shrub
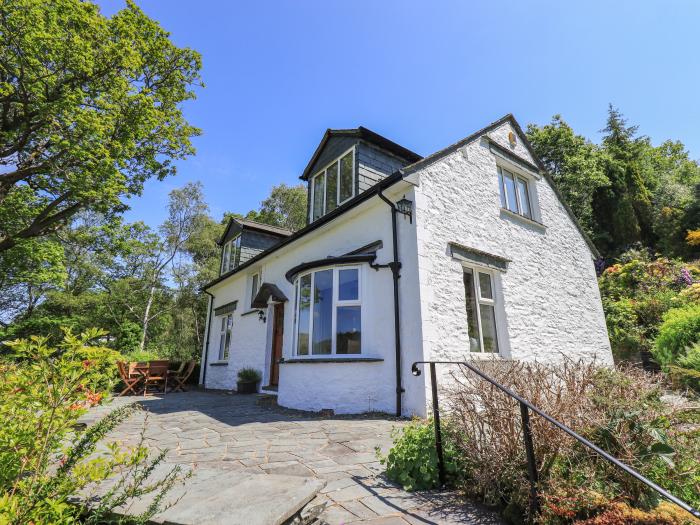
pixel 620 410
pixel 45 460
pixel 249 375
pixel 622 514
pixel 141 356
pixel 679 331
pixel 636 294
pixel 412 460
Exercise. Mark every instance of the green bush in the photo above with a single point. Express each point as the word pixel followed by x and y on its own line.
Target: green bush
pixel 142 356
pixel 412 460
pixel 637 292
pixel 249 375
pixel 45 459
pixel 620 410
pixel 678 332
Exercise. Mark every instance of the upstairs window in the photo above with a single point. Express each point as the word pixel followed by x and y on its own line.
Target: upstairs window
pixel 231 254
pixel 333 185
pixel 515 193
pixel 328 312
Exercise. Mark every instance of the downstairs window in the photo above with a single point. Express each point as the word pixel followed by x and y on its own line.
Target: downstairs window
pixel 226 326
pixel 481 310
pixel 328 312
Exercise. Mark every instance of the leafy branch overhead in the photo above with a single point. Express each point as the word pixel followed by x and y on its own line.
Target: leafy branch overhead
pixel 90 108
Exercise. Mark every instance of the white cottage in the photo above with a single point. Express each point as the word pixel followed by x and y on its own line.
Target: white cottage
pixel 466 253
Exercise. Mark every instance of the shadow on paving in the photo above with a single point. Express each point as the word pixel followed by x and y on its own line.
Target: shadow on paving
pixel 242 435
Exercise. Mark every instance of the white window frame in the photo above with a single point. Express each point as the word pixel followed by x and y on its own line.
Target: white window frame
pixel 225 329
pixel 503 193
pixel 486 301
pixel 322 173
pixel 336 303
pixel 253 291
pixel 233 246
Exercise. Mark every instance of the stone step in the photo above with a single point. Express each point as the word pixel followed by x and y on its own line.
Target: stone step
pixel 215 497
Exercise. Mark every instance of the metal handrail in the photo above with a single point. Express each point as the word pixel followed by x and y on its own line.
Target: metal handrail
pixel 525 407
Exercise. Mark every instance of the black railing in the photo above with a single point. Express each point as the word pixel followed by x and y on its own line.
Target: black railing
pixel 525 408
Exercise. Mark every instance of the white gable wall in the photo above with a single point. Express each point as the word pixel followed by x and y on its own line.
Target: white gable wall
pixel 549 304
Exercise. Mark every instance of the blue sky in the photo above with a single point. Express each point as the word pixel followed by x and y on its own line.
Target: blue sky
pixel 423 74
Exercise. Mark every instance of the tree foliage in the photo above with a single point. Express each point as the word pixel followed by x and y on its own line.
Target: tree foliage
pixel 624 191
pixel 284 207
pixel 89 110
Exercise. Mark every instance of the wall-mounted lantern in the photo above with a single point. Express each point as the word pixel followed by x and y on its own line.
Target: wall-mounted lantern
pixel 405 207
pixel 261 316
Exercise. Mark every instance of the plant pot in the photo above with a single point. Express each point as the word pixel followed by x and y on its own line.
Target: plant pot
pixel 247 387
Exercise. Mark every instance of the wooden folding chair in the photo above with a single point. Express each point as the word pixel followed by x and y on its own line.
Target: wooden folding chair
pixel 132 379
pixel 156 375
pixel 181 375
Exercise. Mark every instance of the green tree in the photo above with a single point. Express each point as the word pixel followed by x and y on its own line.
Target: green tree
pixel 90 109
pixel 574 163
pixel 623 210
pixel 284 207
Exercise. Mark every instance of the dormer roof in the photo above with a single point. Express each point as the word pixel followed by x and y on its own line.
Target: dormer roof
pixel 255 226
pixel 360 133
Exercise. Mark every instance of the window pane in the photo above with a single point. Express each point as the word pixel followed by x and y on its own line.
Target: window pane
pixel 304 302
pixel 500 188
pixel 510 192
pixel 472 321
pixel 227 345
pixel 332 188
pixel 485 286
pixel 227 255
pixel 346 186
pixel 254 287
pixel 349 330
pixel 524 198
pixel 348 285
pixel 222 342
pixel 318 196
pixel 323 313
pixel 488 324
pixel 236 255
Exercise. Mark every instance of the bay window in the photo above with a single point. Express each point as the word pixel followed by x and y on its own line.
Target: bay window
pixel 328 312
pixel 481 310
pixel 333 185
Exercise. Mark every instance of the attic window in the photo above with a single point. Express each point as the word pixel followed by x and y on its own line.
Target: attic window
pixel 515 194
pixel 333 185
pixel 231 254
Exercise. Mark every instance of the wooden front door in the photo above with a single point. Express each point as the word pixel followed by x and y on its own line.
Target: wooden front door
pixel 277 332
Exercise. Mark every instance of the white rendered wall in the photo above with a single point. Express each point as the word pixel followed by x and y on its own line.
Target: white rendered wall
pixel 342 387
pixel 548 300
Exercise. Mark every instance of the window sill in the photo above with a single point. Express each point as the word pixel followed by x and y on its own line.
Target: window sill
pixel 219 363
pixel 331 360
pixel 251 312
pixel 506 213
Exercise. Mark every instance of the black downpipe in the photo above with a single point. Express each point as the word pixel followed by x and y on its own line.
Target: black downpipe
pixel 395 266
pixel 206 345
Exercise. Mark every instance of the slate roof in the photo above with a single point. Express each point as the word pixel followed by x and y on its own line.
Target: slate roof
pixel 365 134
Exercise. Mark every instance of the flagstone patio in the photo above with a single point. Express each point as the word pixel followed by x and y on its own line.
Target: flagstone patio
pixel 244 451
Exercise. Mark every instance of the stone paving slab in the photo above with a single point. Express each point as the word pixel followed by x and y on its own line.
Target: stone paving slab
pixel 226 498
pixel 243 449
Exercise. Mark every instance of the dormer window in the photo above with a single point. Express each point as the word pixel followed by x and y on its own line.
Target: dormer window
pixel 333 185
pixel 231 255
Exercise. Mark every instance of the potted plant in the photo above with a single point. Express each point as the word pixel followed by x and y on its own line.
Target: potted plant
pixel 248 379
